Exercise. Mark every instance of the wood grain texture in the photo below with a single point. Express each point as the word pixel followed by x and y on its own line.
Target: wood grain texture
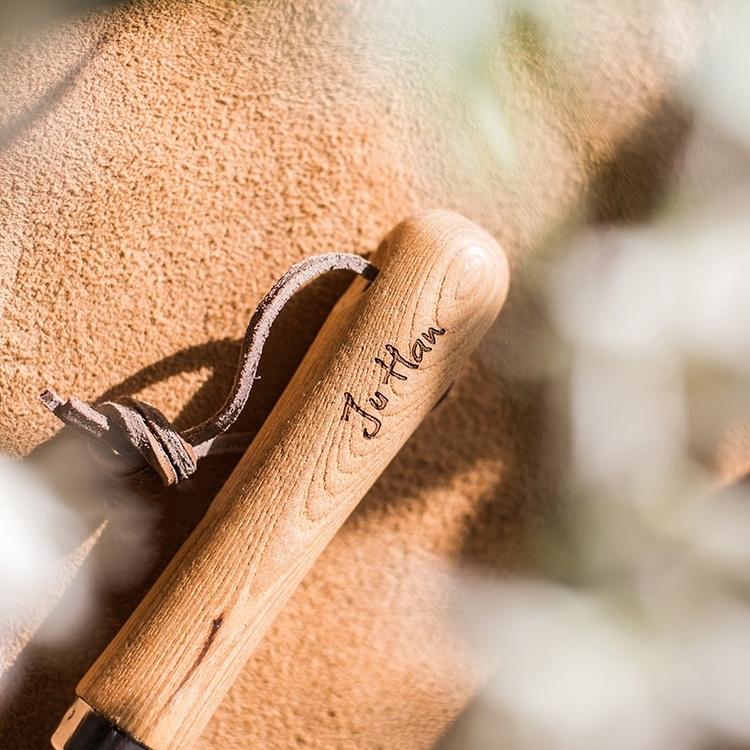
pixel 338 424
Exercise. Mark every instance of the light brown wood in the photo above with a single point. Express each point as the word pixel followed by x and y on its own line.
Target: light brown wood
pixel 339 423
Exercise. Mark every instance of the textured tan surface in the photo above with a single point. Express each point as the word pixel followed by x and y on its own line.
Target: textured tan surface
pixel 163 163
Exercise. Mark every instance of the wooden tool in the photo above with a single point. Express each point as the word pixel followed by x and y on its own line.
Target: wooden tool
pixel 384 357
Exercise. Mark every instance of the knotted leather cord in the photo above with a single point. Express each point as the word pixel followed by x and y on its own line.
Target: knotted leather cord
pixel 128 435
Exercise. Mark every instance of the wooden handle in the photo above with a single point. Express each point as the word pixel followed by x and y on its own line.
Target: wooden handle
pixel 383 358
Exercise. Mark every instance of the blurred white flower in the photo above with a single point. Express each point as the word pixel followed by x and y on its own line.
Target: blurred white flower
pixel 639 639
pixel 589 669
pixel 679 287
pixel 36 528
pixel 719 85
pixel 39 537
pixel 55 557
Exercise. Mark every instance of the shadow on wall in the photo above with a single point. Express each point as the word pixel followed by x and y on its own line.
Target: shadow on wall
pixel 23 23
pixel 35 17
pixel 19 122
pixel 633 185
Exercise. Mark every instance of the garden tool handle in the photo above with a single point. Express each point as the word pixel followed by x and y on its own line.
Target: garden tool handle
pixel 384 357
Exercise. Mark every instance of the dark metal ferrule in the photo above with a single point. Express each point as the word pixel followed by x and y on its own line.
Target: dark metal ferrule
pixel 85 729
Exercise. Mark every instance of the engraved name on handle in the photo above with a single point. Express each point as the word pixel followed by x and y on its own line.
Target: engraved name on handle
pixel 379 400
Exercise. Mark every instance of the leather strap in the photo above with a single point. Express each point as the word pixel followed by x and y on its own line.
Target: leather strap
pixel 129 435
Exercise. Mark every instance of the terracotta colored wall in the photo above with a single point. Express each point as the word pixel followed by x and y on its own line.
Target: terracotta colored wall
pixel 161 165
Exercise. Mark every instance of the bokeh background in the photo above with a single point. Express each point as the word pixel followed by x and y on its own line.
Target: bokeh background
pixel 559 557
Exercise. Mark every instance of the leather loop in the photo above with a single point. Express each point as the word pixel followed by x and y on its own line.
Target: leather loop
pixel 129 435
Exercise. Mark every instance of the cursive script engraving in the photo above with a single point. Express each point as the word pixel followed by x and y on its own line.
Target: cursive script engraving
pixel 397 367
pixel 349 405
pixel 390 369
